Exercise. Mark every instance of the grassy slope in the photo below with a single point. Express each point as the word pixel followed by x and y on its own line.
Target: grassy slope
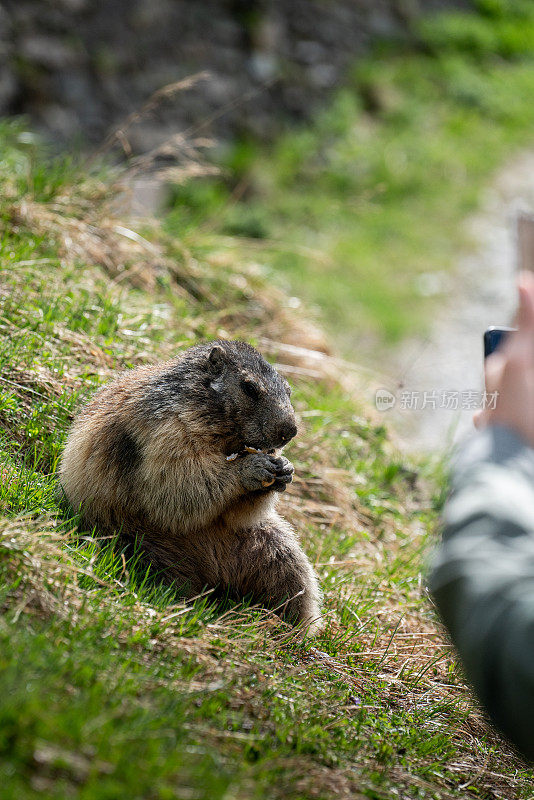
pixel 362 213
pixel 111 687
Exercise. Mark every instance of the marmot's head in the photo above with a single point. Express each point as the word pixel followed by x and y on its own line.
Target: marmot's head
pixel 229 391
pixel 252 395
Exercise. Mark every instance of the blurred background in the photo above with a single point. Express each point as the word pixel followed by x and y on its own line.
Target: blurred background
pixel 78 67
pixel 368 155
pixel 336 182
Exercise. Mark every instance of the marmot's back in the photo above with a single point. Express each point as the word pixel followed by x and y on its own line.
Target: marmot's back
pixel 187 455
pixel 104 449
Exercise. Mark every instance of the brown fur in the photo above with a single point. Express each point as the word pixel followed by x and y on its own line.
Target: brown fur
pixel 148 456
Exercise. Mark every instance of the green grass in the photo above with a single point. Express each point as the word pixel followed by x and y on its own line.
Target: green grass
pixel 351 211
pixel 111 685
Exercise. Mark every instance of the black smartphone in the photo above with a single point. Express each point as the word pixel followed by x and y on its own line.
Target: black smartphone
pixel 494 337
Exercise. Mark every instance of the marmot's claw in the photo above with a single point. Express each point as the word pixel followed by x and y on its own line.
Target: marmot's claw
pixel 284 478
pixel 261 472
pixel 283 466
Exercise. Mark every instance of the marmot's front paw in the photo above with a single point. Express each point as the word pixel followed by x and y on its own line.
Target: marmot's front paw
pixel 284 474
pixel 260 472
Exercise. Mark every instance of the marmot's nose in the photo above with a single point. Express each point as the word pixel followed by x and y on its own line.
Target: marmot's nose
pixel 287 431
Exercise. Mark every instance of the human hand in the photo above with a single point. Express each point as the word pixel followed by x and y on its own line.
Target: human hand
pixel 510 372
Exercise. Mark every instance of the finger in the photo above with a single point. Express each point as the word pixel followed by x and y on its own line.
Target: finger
pixel 525 314
pixel 493 369
pixel 480 419
pixel 520 347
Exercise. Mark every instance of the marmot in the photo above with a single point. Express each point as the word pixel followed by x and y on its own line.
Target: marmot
pixel 171 454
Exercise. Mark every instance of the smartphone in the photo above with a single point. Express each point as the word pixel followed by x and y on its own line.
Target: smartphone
pixel 494 337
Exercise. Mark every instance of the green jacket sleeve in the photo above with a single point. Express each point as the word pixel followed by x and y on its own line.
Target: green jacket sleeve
pixel 482 577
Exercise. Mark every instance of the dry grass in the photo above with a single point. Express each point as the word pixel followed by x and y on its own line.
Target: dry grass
pixel 50 585
pixel 382 654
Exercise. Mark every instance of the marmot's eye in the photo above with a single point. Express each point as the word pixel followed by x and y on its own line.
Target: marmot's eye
pixel 250 389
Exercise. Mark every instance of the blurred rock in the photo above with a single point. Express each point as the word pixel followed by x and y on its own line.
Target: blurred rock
pixel 52 52
pixel 8 89
pixel 81 66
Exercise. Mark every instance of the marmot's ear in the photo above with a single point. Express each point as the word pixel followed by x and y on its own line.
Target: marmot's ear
pixel 217 359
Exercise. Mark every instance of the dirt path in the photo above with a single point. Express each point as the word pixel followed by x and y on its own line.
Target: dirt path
pixel 448 365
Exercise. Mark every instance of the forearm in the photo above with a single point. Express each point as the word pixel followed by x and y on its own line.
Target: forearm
pixel 483 576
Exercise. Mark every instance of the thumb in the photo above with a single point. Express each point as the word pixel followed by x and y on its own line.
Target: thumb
pixel 525 314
